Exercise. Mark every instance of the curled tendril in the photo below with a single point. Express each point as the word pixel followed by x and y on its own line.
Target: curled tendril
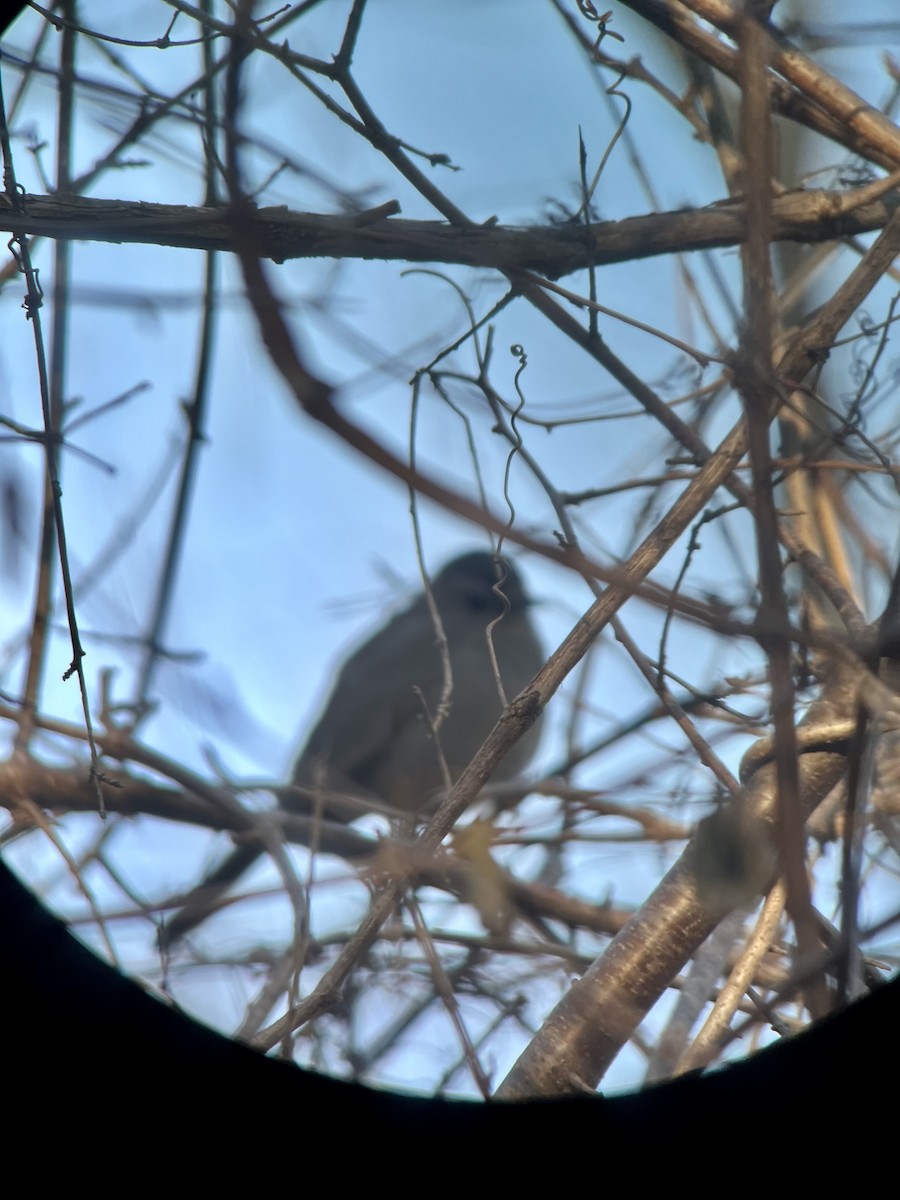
pixel 865 322
pixel 587 10
pixel 34 298
pixel 518 352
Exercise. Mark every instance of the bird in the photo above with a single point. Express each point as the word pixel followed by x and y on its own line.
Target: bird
pixel 381 743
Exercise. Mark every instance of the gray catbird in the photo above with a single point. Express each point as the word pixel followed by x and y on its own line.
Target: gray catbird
pixel 374 746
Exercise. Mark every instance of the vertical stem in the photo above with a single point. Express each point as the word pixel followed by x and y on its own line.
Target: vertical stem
pixel 195 410
pixel 43 600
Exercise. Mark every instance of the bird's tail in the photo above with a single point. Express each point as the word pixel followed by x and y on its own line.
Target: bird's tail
pixel 207 896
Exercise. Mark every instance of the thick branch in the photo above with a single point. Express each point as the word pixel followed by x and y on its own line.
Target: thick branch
pixel 807 94
pixel 65 790
pixel 803 216
pixel 597 1016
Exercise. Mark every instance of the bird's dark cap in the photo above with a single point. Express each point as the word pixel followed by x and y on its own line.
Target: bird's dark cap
pixel 481 572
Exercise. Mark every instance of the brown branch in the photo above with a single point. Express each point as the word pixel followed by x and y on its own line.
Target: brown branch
pixel 758 388
pixel 867 130
pixel 64 790
pixel 870 134
pixel 67 790
pixel 804 216
pixel 592 1022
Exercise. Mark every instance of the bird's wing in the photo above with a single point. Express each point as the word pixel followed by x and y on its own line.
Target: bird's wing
pixel 374 698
